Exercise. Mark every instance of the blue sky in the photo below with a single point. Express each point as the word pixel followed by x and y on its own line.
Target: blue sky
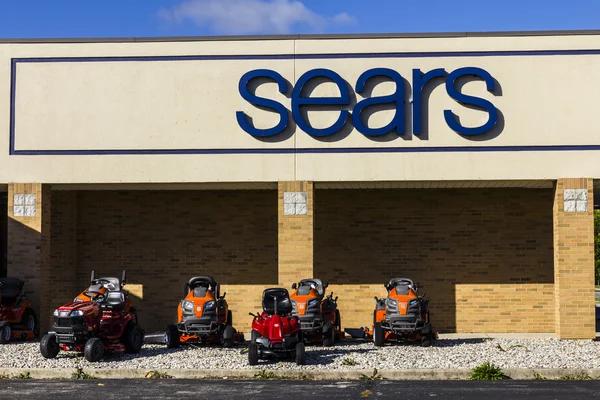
pixel 127 18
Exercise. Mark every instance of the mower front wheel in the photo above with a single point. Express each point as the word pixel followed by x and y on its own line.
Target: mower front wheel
pixel 173 338
pixel 48 346
pixel 93 350
pixel 253 354
pixel 378 335
pixel 5 334
pixel 134 338
pixel 300 354
pixel 227 339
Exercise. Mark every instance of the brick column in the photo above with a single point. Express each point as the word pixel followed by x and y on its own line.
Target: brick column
pixel 28 248
pixel 574 259
pixel 296 232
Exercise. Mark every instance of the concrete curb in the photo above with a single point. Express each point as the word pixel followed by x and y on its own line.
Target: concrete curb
pixel 349 374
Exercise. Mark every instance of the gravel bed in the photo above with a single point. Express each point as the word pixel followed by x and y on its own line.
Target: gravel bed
pixel 444 354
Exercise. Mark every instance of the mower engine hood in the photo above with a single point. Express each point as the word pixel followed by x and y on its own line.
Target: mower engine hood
pixel 78 305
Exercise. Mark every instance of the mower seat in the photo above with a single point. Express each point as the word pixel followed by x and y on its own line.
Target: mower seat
pixel 115 283
pixel 114 301
pixel 276 298
pixel 305 286
pixel 11 289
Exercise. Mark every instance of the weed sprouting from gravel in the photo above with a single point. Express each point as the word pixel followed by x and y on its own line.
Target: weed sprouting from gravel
pixel 157 375
pixel 79 373
pixel 515 346
pixel 487 372
pixel 349 362
pixel 539 377
pixel 373 377
pixel 4 376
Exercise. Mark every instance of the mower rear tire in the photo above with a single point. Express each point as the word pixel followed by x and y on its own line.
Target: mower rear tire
pixel 229 318
pixel 329 337
pixel 378 335
pixel 5 334
pixel 133 338
pixel 93 350
pixel 29 319
pixel 48 346
pixel 300 354
pixel 228 333
pixel 253 354
pixel 172 337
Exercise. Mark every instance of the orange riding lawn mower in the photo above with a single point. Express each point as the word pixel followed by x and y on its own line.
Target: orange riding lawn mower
pixel 401 317
pixel 17 320
pixel 99 320
pixel 203 316
pixel 318 313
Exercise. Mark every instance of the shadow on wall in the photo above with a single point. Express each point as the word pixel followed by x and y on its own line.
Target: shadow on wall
pixel 473 250
pixel 163 238
pixel 25 252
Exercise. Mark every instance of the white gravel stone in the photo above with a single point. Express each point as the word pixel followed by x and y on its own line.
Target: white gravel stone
pixel 444 354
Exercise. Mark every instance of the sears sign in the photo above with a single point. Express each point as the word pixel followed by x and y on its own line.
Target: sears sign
pixel 397 99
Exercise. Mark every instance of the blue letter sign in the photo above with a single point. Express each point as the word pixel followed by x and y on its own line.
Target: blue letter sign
pixel 420 80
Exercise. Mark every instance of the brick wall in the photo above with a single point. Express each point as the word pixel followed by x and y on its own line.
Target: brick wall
pixel 163 238
pixel 484 256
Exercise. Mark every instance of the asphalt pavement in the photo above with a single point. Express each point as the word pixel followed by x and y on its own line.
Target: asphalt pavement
pixel 266 389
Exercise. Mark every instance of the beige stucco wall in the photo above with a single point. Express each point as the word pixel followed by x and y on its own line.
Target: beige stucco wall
pixel 546 100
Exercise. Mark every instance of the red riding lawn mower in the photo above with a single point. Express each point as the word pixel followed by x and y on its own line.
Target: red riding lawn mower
pixel 276 332
pixel 318 314
pixel 98 321
pixel 202 316
pixel 17 319
pixel 402 316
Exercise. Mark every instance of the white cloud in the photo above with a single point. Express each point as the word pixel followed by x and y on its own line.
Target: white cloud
pixel 252 16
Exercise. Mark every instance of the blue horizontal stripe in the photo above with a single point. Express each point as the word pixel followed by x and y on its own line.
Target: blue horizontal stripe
pixel 441 54
pixel 324 150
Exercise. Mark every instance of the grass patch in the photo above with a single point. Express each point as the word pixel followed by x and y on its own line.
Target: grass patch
pixel 350 362
pixel 487 372
pixel 154 374
pixel 23 375
pixel 4 376
pixel 581 376
pixel 79 373
pixel 262 374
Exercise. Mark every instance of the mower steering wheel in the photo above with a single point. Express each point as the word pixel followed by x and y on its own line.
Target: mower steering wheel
pixel 93 295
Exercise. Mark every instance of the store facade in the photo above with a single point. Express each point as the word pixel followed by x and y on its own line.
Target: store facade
pixel 463 161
